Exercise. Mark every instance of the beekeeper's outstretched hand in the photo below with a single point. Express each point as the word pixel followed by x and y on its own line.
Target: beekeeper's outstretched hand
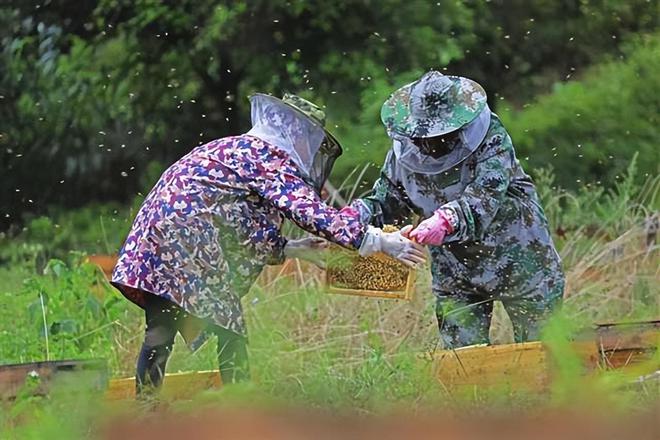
pixel 393 244
pixel 307 248
pixel 433 230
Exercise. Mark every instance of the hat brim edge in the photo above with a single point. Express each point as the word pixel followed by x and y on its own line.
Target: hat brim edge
pixel 328 134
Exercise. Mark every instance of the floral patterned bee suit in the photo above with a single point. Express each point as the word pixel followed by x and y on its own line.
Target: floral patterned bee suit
pixel 500 248
pixel 213 220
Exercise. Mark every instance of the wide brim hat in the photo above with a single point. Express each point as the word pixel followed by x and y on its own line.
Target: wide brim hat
pixel 310 111
pixel 434 105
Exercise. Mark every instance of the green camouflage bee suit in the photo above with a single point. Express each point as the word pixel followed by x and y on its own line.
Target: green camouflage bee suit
pixel 501 247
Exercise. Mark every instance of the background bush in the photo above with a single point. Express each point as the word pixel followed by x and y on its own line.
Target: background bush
pixel 92 92
pixel 590 129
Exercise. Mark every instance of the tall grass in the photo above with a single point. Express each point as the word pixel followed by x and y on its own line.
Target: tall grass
pixel 337 351
pixel 609 246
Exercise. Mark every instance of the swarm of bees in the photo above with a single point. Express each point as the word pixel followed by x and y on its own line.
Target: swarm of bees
pixel 381 272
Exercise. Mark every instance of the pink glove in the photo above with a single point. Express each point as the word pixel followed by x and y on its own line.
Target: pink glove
pixel 433 230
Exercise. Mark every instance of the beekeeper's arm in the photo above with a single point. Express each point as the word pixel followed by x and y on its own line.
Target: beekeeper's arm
pixel 387 203
pixel 285 188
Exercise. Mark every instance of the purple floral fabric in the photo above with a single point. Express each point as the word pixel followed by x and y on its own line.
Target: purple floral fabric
pixel 212 222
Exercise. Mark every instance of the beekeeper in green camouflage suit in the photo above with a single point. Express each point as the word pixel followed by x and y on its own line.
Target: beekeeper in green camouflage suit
pixel 453 163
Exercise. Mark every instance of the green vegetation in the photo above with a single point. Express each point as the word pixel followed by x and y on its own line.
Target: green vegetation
pixel 591 128
pixel 323 350
pixel 98 97
pixel 92 93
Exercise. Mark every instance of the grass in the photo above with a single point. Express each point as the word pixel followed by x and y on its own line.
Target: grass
pixel 332 351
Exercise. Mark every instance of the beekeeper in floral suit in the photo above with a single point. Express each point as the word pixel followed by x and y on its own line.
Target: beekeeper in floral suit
pixel 453 163
pixel 214 219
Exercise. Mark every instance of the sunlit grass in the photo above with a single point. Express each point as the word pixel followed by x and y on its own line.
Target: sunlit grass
pixel 314 349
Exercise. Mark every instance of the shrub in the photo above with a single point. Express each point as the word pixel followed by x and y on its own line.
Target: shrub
pixel 589 130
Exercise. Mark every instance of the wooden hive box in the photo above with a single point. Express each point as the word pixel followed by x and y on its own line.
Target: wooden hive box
pixel 528 366
pixel 175 385
pixel 13 377
pixel 628 344
pixel 105 262
pixel 515 366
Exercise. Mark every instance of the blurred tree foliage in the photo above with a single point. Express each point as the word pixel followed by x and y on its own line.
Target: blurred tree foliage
pixel 92 92
pixel 589 130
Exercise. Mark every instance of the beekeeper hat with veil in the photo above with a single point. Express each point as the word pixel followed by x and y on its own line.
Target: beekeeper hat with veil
pixel 296 126
pixel 434 106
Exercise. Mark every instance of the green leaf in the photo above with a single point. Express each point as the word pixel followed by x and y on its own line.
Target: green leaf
pixel 56 267
pixel 66 326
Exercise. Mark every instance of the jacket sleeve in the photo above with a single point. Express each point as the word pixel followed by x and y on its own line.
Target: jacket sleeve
pixel 476 208
pixel 387 202
pixel 283 187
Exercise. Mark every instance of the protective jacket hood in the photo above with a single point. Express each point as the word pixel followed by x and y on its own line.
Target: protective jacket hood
pixel 469 138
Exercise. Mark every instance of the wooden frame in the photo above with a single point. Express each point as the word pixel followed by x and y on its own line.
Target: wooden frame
pixel 406 294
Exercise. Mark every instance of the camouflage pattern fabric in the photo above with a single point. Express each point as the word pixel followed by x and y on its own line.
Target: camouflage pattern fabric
pixel 501 249
pixel 465 319
pixel 213 221
pixel 433 105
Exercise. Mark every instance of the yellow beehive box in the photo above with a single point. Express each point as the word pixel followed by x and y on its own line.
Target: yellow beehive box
pixel 175 385
pixel 517 366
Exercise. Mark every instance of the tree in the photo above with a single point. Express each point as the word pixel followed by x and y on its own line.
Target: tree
pixel 92 97
pixel 91 92
pixel 589 130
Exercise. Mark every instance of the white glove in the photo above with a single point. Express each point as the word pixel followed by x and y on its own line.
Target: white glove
pixel 393 244
pixel 308 248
